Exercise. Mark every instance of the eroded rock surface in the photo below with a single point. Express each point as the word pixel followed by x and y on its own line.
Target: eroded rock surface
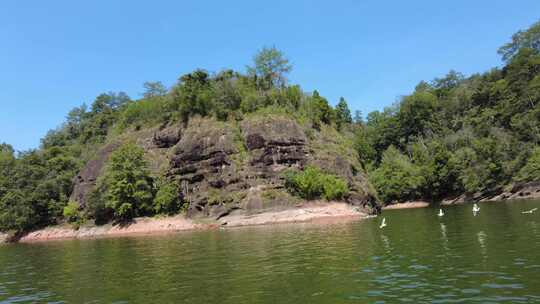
pixel 87 178
pixel 230 167
pixel 529 190
pixel 201 163
pixel 167 137
pixel 276 141
pixel 224 167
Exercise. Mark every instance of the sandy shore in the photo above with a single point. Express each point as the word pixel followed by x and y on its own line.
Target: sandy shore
pixel 144 226
pixel 302 214
pixel 138 226
pixel 407 205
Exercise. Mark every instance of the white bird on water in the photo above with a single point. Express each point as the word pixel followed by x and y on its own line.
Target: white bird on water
pixel 475 208
pixel 530 211
pixel 383 223
pixel 441 213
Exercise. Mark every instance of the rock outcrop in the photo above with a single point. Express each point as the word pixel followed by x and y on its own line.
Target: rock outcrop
pixel 230 167
pixel 87 178
pixel 529 190
pixel 520 191
pixel 274 142
pixel 202 164
pixel 222 167
pixel 167 137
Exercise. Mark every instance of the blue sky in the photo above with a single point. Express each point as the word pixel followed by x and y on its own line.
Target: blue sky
pixel 55 55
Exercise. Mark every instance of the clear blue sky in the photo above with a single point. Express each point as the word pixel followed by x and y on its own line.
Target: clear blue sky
pixel 55 54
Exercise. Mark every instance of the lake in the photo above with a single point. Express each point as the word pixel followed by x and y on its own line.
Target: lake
pixel 493 257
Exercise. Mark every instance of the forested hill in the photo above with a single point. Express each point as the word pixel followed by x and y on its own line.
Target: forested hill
pixel 458 135
pixel 214 143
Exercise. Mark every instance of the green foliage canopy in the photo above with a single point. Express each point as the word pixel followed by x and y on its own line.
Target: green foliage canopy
pixel 529 38
pixel 270 66
pixel 312 183
pixel 129 187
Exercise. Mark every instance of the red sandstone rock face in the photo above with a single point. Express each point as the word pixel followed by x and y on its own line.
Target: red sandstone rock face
pixel 86 179
pixel 223 167
pixel 275 141
pixel 215 178
pixel 167 137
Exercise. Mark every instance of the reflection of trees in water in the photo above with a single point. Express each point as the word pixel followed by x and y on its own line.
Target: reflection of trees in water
pixel 481 235
pixel 444 238
pixel 443 232
pixel 386 243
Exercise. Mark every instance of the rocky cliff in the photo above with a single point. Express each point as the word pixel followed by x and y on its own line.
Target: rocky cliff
pixel 226 167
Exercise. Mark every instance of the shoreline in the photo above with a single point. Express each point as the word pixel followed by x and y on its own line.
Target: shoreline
pixel 406 205
pixel 323 212
pixel 523 191
pixel 529 190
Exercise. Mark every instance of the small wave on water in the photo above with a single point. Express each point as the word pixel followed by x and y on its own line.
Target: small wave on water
pixel 417 258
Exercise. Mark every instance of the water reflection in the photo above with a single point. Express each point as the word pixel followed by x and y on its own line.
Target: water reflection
pixel 443 232
pixel 481 236
pixel 302 263
pixel 386 243
pixel 444 238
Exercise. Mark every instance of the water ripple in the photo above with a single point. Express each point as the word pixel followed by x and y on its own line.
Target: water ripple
pixel 418 258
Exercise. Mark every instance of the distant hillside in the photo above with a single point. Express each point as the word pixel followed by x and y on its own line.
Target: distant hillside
pixel 478 135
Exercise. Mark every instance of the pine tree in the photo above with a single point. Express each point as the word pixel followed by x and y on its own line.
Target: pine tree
pixel 343 114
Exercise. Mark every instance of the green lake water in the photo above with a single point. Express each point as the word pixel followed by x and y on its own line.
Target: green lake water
pixel 493 257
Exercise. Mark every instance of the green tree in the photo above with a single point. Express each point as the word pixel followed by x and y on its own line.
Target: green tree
pixel 75 119
pixel 167 200
pixel 193 94
pixel 529 38
pixel 433 159
pixel 335 188
pixel 383 130
pixel 16 212
pixel 109 101
pixel 44 179
pixel 270 67
pixel 363 146
pixel 313 183
pixel 531 170
pixel 226 95
pixel 417 115
pixel 320 110
pixel 71 212
pixel 343 113
pixel 154 89
pixel 358 119
pixel 102 116
pixel 129 189
pixel 7 167
pixel 397 178
pixel 443 86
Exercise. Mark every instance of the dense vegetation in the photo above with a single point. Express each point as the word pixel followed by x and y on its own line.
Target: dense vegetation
pixel 460 134
pixel 312 183
pixel 452 135
pixel 35 186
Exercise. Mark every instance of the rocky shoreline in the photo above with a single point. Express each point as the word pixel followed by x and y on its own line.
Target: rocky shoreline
pixel 301 213
pixel 520 191
pixel 529 190
pixel 145 226
pixel 407 205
